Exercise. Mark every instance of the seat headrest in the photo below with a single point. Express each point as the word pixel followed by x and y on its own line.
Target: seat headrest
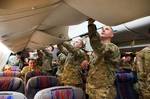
pixel 10 74
pixel 11 95
pixel 61 92
pixel 9 83
pixel 41 82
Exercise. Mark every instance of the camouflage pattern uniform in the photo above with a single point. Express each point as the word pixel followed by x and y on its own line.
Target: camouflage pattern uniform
pixel 127 63
pixel 101 74
pixel 61 61
pixel 47 61
pixel 71 74
pixel 92 57
pixel 143 69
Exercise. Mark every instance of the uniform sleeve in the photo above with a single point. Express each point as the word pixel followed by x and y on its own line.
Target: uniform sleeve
pixel 139 62
pixel 62 49
pixel 112 54
pixel 94 39
pixel 70 48
pixel 78 53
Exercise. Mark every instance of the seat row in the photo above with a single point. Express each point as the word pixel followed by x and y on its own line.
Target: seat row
pixel 58 92
pixel 35 84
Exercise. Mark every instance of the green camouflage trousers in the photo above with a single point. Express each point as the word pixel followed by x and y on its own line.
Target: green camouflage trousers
pixel 101 93
pixel 145 88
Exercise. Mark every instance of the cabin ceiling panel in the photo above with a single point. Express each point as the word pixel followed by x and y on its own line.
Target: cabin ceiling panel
pixel 63 15
pixel 19 41
pixel 112 12
pixel 19 4
pixel 16 23
pixel 40 40
pixel 17 49
pixel 18 38
pixel 11 7
pixel 60 32
pixel 14 43
pixel 17 46
pixel 33 46
pixel 20 25
pixel 15 36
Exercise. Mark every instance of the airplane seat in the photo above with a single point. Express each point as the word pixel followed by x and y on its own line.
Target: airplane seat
pixel 15 68
pixel 11 95
pixel 11 84
pixel 11 68
pixel 61 92
pixel 38 83
pixel 33 74
pixel 10 74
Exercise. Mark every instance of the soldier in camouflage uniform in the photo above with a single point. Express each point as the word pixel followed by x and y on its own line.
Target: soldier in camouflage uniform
pixel 127 61
pixel 71 74
pixel 101 75
pixel 143 69
pixel 61 59
pixel 47 61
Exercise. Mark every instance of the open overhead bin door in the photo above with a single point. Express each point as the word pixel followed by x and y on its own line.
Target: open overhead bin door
pixel 23 17
pixel 112 12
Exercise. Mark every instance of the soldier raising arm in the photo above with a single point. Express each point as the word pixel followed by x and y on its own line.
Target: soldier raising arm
pixel 93 35
pixel 101 42
pixel 71 74
pixel 100 78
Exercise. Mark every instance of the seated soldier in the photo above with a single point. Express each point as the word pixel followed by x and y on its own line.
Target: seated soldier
pixel 32 67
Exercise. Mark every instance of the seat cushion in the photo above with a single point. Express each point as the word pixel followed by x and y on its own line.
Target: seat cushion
pixel 11 84
pixel 11 95
pixel 60 92
pixel 41 82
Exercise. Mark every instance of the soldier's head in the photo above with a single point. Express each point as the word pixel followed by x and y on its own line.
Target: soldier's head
pixel 128 56
pixel 106 33
pixel 78 43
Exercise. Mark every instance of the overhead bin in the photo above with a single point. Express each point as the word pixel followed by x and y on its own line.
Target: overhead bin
pixel 24 19
pixel 133 48
pixel 63 15
pixel 19 5
pixel 141 25
pixel 130 34
pixel 21 17
pixel 18 43
pixel 112 12
pixel 41 40
pixel 123 35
